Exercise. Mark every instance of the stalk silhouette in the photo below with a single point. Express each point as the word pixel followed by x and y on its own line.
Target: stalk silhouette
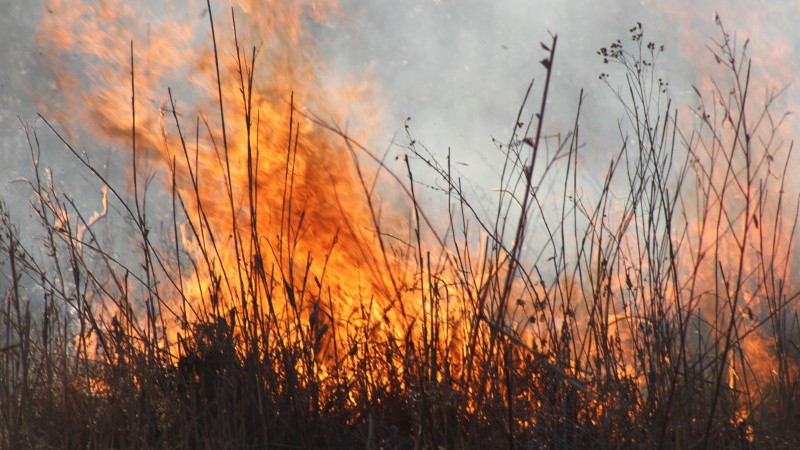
pixel 657 311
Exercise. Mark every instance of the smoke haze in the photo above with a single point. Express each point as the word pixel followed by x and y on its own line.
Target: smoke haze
pixel 459 69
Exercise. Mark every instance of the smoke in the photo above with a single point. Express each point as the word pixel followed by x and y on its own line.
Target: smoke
pixel 459 69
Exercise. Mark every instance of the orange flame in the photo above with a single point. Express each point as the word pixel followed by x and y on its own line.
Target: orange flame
pixel 270 191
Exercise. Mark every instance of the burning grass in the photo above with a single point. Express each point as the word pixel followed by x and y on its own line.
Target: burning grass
pixel 276 303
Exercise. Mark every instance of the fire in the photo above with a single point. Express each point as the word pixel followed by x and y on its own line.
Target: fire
pixel 279 235
pixel 274 205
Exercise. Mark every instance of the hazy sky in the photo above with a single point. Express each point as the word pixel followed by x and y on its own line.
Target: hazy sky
pixel 459 69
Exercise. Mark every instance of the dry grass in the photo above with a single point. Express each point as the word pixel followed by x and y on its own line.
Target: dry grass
pixel 657 312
